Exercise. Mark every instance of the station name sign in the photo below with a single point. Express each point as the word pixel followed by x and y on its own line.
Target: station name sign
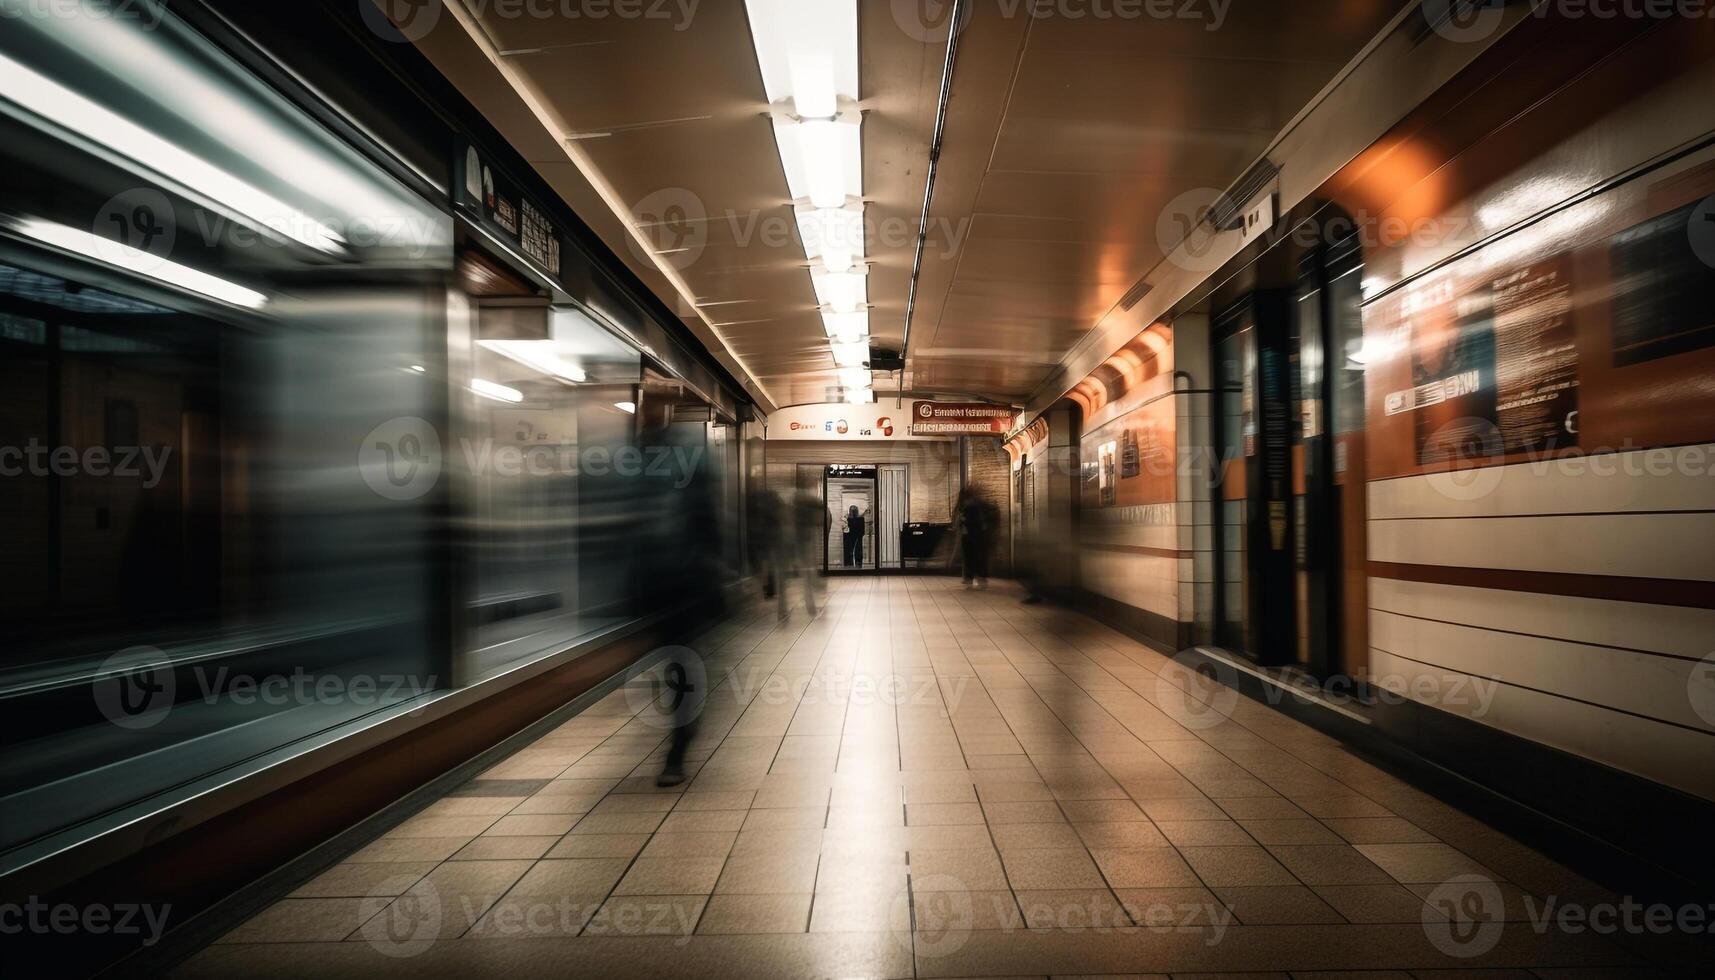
pixel 960 419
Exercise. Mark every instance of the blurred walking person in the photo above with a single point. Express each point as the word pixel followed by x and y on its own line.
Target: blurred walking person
pixel 808 535
pixel 977 521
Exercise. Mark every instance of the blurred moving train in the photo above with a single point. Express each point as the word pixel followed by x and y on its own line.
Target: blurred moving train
pixel 305 436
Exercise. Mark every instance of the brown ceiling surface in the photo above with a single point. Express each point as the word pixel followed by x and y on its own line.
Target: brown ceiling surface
pixel 1065 139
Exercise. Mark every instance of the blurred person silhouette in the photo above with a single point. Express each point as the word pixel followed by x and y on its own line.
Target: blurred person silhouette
pixel 854 537
pixel 766 538
pixel 684 571
pixel 809 534
pixel 977 521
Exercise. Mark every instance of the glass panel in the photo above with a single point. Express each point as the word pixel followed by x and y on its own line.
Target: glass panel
pixel 1236 369
pixel 552 424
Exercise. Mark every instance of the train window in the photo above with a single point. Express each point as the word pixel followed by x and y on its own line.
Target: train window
pixel 1664 295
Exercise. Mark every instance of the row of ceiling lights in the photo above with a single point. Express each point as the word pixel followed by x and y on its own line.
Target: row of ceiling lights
pixel 808 52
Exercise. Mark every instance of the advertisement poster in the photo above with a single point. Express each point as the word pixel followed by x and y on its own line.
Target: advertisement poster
pixel 1494 368
pixel 1130 461
pixel 960 419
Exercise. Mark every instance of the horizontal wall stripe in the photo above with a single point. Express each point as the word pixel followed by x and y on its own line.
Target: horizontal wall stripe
pixel 1668 754
pixel 1127 549
pixel 1643 684
pixel 1646 480
pixel 1667 546
pixel 1668 592
pixel 1681 631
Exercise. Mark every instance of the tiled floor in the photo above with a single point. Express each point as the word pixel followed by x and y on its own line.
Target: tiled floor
pixel 933 782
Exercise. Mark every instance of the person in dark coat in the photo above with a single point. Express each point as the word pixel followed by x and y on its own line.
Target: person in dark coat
pixel 977 522
pixel 854 537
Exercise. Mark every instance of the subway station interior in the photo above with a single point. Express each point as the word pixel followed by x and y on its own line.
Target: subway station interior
pixel 857 488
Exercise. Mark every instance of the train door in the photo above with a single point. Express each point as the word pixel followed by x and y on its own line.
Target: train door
pixel 1255 611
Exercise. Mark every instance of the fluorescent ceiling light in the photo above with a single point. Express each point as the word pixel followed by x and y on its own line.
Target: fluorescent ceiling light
pixel 834 235
pixel 855 377
pixel 538 355
pixel 841 292
pixel 860 396
pixel 846 328
pixel 808 53
pixel 629 408
pixel 110 252
pixel 498 392
pixel 60 106
pixel 851 355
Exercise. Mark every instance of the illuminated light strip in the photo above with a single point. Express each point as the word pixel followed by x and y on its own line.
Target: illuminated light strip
pixel 808 53
pixel 136 260
pixel 498 392
pixel 60 106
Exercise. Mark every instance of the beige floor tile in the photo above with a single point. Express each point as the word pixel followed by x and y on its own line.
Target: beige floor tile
pixel 305 920
pixel 647 915
pixel 703 822
pixel 665 845
pixel 1023 812
pixel 738 914
pixel 787 818
pixel 456 895
pixel 505 849
pixel 1147 867
pixel 1019 792
pixel 369 880
pixel 1182 809
pixel 1169 909
pixel 619 823
pixel 533 825
pixel 1035 836
pixel 1373 903
pixel 1277 905
pixel 425 826
pixel 576 804
pixel 718 800
pixel 393 849
pixel 1072 909
pixel 598 846
pixel 671 876
pixel 569 878
pixel 1269 832
pixel 959 871
pixel 758 874
pixel 861 911
pixel 950 915
pixel 1379 830
pixel 952 838
pixel 942 814
pixel 1101 811
pixel 1338 864
pixel 1262 808
pixel 1203 833
pixel 1127 834
pixel 635 803
pixel 1422 863
pixel 941 792
pixel 1051 870
pixel 1225 867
